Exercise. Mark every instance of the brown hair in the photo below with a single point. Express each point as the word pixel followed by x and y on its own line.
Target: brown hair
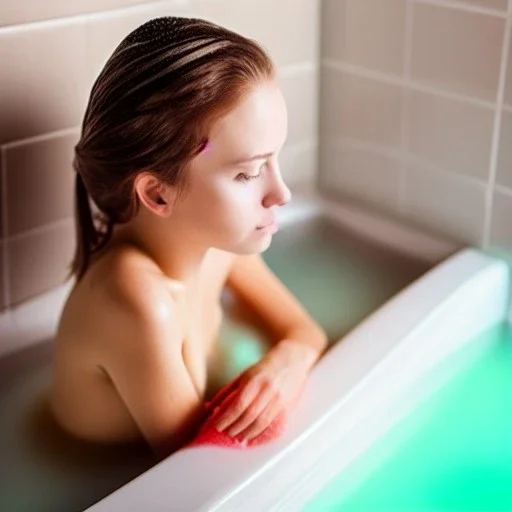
pixel 151 108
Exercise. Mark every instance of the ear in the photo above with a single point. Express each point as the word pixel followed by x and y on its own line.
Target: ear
pixel 154 194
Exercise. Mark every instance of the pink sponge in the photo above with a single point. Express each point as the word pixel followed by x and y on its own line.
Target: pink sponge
pixel 208 434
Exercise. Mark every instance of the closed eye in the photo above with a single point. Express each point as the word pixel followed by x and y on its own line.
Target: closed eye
pixel 243 177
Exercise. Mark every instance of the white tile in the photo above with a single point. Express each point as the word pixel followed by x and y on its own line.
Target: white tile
pixel 508 81
pixel 450 134
pixel 457 51
pixel 301 94
pixel 366 33
pixel 106 33
pixel 499 5
pixel 446 203
pixel 504 172
pixel 363 175
pixel 360 108
pixel 3 303
pixel 40 182
pixel 25 11
pixel 39 261
pixel 299 164
pixel 289 29
pixel 501 222
pixel 43 81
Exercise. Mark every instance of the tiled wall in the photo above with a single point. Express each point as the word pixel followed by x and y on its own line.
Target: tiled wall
pixel 416 112
pixel 51 53
pixel 411 108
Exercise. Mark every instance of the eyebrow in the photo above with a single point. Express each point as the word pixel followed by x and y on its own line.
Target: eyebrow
pixel 251 159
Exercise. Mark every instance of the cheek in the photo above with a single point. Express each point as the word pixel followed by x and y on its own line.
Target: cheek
pixel 228 209
pixel 233 205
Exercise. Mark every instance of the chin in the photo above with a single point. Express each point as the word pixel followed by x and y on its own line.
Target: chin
pixel 250 247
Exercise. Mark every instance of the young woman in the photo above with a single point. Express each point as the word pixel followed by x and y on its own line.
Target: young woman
pixel 179 157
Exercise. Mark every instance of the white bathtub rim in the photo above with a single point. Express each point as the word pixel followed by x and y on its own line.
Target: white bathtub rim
pixel 496 313
pixel 336 353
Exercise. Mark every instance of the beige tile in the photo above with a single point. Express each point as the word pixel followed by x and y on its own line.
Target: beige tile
pixel 501 225
pixel 23 11
pixel 446 203
pixel 1 197
pixel 504 172
pixel 299 165
pixel 40 182
pixel 360 108
pixel 301 94
pixel 500 5
pixel 3 304
pixel 43 81
pixel 371 178
pixel 289 29
pixel 106 33
pixel 365 33
pixel 453 135
pixel 39 261
pixel 508 82
pixel 457 51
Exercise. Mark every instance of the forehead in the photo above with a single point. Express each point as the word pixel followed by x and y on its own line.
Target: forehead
pixel 258 124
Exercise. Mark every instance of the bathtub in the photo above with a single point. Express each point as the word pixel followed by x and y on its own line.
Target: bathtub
pixel 427 299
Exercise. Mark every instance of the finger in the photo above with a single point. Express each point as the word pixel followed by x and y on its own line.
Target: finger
pixel 223 393
pixel 218 412
pixel 233 411
pixel 253 411
pixel 264 420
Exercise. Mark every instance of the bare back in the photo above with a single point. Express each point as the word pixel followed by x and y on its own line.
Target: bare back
pixel 83 398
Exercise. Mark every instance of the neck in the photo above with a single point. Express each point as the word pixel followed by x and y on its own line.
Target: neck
pixel 174 249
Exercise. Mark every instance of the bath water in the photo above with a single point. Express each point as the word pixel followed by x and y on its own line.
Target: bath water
pixel 453 452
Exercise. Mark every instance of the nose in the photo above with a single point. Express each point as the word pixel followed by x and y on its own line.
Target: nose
pixel 279 194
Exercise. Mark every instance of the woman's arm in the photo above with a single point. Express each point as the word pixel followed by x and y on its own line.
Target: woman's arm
pixel 144 360
pixel 296 333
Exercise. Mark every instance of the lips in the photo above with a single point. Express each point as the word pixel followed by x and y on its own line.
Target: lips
pixel 266 225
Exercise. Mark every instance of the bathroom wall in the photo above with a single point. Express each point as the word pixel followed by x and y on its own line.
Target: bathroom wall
pixel 51 53
pixel 416 113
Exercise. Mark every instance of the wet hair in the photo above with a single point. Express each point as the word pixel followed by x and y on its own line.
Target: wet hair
pixel 150 109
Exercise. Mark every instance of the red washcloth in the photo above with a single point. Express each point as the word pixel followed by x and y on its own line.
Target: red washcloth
pixel 208 434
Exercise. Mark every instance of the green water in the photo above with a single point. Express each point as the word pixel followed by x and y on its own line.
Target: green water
pixel 453 453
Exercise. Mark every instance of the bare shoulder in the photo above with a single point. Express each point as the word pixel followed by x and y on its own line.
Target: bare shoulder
pixel 122 288
pixel 140 347
pixel 134 285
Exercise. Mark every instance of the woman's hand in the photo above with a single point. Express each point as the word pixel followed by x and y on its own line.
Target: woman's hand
pixel 267 388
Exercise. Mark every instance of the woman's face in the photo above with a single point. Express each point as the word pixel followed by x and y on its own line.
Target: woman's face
pixel 235 182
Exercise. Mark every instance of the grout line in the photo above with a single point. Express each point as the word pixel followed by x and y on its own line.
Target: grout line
pixel 42 137
pixel 6 273
pixel 40 229
pixel 493 164
pixel 296 69
pixel 306 145
pixel 407 157
pixel 404 135
pixel 91 16
pixel 385 151
pixel 503 190
pixel 403 82
pixel 339 65
pixel 458 176
pixel 461 6
pixel 318 85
